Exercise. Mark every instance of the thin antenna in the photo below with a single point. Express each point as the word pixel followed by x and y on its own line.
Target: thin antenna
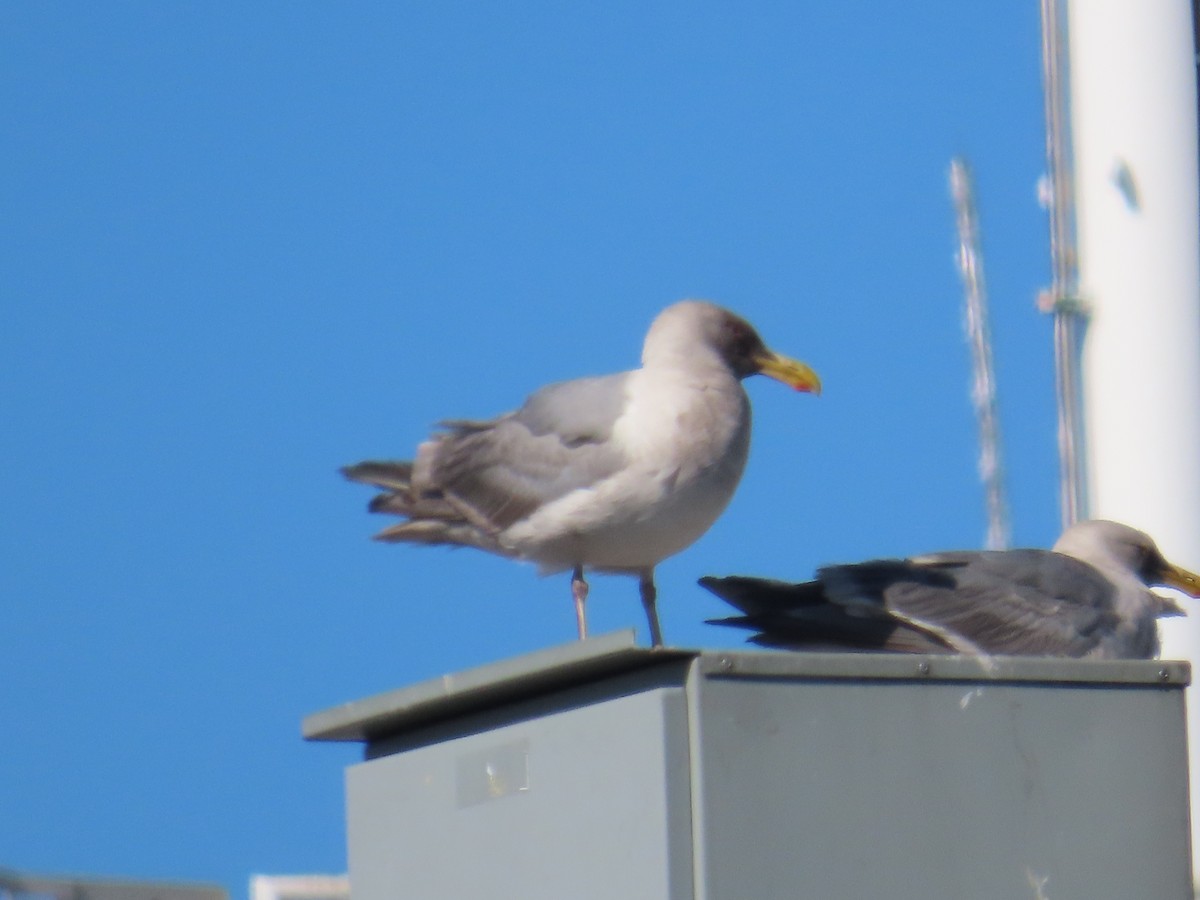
pixel 1062 298
pixel 983 386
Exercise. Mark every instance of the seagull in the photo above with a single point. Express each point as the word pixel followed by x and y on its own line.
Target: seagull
pixel 1088 597
pixel 610 474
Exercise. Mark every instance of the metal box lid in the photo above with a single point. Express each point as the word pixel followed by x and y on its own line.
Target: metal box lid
pixel 558 668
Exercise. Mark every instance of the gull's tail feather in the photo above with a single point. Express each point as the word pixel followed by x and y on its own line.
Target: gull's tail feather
pixel 439 532
pixel 802 617
pixel 784 614
pixel 432 519
pixel 763 597
pixel 389 475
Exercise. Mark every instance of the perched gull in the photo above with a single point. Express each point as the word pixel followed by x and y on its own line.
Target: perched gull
pixel 1088 597
pixel 612 474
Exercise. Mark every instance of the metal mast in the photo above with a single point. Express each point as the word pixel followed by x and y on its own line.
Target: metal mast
pixel 1062 298
pixel 983 384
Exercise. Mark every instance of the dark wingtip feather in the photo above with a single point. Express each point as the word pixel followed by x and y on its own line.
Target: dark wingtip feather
pixel 389 475
pixel 759 596
pixel 397 504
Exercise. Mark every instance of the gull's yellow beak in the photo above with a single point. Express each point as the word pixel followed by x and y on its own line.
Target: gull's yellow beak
pixel 790 371
pixel 1178 577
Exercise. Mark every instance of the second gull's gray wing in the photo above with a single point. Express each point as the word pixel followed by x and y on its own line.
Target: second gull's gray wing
pixel 1019 602
pixel 1016 602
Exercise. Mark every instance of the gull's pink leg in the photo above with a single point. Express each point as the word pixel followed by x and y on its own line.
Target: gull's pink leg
pixel 579 591
pixel 649 597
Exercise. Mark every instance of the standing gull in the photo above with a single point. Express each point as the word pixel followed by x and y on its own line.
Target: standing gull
pixel 612 474
pixel 1088 597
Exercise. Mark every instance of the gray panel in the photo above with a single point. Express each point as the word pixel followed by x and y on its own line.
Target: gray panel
pixel 574 804
pixel 941 791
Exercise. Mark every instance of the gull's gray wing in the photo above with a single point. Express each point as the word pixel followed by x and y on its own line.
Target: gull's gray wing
pixel 1017 602
pixel 500 471
pixel 577 412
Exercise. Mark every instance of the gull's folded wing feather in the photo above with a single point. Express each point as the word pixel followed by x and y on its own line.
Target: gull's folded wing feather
pixel 499 472
pixel 1028 602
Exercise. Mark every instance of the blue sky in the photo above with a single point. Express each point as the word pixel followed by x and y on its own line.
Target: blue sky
pixel 244 244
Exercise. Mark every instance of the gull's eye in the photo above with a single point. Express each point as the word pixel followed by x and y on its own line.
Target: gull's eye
pixel 741 340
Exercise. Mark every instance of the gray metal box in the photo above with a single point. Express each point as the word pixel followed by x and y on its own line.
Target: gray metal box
pixel 605 770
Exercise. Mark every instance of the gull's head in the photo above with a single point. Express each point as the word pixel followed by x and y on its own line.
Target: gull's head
pixel 686 329
pixel 1111 545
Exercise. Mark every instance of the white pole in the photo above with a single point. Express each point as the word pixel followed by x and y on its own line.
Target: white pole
pixel 1133 122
